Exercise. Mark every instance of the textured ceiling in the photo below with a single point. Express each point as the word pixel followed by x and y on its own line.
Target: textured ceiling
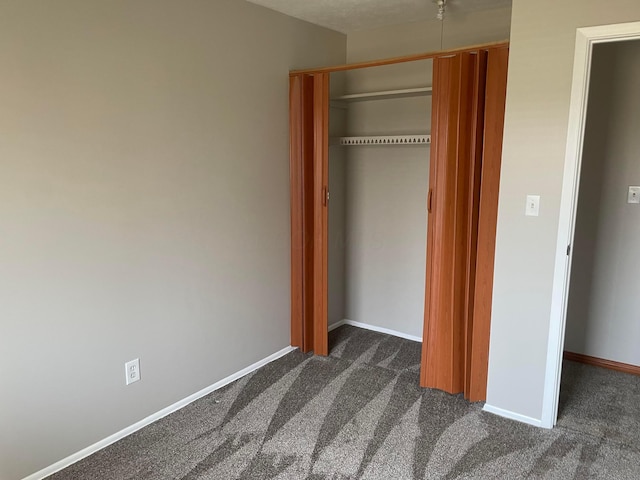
pixel 351 15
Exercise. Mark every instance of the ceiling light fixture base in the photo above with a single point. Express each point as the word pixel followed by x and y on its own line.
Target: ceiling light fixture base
pixel 442 6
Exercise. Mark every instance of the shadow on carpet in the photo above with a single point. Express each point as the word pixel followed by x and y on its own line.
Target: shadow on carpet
pixel 357 414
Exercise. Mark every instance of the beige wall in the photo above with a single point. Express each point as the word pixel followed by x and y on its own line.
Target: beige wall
pixel 144 208
pixel 538 93
pixel 337 211
pixel 603 318
pixel 386 191
pixel 418 37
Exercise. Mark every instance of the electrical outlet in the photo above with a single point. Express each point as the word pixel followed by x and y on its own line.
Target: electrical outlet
pixel 634 195
pixel 132 371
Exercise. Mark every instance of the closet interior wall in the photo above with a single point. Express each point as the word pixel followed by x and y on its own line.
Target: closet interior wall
pixel 377 207
pixel 337 203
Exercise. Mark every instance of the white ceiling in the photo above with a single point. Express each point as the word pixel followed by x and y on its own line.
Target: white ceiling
pixel 351 15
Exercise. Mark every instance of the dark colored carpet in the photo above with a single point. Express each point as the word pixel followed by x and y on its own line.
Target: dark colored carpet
pixel 600 402
pixel 360 414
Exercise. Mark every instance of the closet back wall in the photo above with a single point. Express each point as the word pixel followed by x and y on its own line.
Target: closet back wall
pixel 386 191
pixel 385 259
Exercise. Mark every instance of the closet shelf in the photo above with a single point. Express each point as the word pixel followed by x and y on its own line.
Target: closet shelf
pixel 386 94
pixel 381 140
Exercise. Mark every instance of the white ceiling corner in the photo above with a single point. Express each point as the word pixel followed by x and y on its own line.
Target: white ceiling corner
pixel 352 15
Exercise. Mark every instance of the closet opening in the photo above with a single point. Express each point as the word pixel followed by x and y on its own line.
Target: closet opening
pixel 378 180
pixel 600 383
pixel 394 184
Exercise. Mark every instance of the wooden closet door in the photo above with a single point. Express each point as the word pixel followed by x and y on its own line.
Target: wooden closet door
pixel 321 200
pixel 496 93
pixel 470 183
pixel 438 369
pixel 309 174
pixel 457 112
pixel 301 127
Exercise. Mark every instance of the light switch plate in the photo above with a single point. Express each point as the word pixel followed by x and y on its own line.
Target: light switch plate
pixel 634 195
pixel 532 208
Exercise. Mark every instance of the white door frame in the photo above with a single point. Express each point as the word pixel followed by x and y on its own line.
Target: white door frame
pixel 586 38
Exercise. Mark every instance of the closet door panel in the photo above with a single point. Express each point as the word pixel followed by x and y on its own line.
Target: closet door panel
pixel 455 162
pixel 301 181
pixel 496 90
pixel 321 198
pixel 442 335
pixel 469 184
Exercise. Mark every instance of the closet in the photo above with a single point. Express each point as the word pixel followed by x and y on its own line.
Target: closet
pixel 425 150
pixel 379 125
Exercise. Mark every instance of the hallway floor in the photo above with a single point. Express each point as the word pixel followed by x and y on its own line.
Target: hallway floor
pixel 600 402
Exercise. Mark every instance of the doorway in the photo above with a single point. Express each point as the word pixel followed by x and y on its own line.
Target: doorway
pixel 379 126
pixel 602 321
pixel 582 183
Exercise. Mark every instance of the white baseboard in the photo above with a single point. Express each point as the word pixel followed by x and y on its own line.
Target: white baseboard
pixel 333 326
pixel 374 328
pixel 71 459
pixel 512 415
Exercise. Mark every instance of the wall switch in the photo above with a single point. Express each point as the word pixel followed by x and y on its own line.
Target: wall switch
pixel 634 195
pixel 532 208
pixel 132 371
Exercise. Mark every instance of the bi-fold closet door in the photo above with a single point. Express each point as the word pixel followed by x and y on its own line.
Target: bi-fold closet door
pixel 309 169
pixel 467 121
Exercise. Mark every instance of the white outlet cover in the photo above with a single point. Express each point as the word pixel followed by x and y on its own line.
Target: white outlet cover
pixel 132 371
pixel 532 208
pixel 634 195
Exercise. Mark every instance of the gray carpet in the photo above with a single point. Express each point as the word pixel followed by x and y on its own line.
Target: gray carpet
pixel 360 414
pixel 600 402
